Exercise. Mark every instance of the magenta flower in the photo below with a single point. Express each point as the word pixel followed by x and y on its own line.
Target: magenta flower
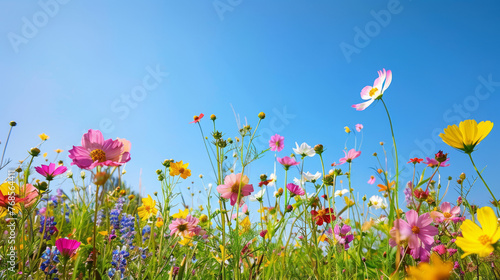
pixel 374 93
pixel 277 143
pixel 359 127
pixel 95 151
pixel 287 162
pixel 185 227
pixel 295 190
pixel 447 213
pixel 432 162
pixel 417 231
pixel 342 236
pixel 67 247
pixel 234 183
pixel 349 156
pixel 50 171
pixel 371 181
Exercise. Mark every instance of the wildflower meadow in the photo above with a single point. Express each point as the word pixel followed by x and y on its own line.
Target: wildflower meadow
pixel 289 223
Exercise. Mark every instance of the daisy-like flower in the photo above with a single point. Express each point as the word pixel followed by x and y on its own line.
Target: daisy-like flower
pixel 182 214
pixel 466 135
pixel 258 196
pixel 184 227
pixel 43 136
pixel 347 129
pixel 50 171
pixel 180 168
pixel 385 188
pixel 277 143
pixel 304 150
pixel 478 240
pixel 349 156
pixel 323 216
pixel 67 247
pixel 309 177
pixel 95 151
pixel 374 93
pixel 287 162
pixel 295 190
pixel 435 270
pixel 447 213
pixel 340 192
pixel 371 181
pixel 415 160
pixel 377 202
pixel 359 127
pixel 417 231
pixel 432 162
pixel 197 119
pixel 234 183
pixel 148 208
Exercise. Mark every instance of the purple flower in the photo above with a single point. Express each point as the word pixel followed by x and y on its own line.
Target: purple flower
pixel 432 162
pixel 341 235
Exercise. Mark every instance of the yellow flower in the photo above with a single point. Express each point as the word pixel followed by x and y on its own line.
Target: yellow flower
pixel 186 241
pixel 437 270
pixel 245 225
pixel 44 155
pixel 467 135
pixel 178 168
pixel 89 240
pixel 159 222
pixel 203 218
pixel 43 136
pixel 58 151
pixel 103 233
pixel 147 209
pixel 181 214
pixel 347 130
pixel 478 240
pixel 223 252
pixel 348 201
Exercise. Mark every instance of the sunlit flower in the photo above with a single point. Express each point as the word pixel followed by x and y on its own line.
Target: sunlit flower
pixel 295 190
pixel 67 247
pixel 341 192
pixel 435 270
pixel 466 135
pixel 349 156
pixel 159 222
pixel 371 181
pixel 148 208
pixel 432 162
pixel 359 127
pixel 323 216
pixel 447 213
pixel 43 136
pixel 95 151
pixel 50 171
pixel 58 151
pixel 182 214
pixel 304 150
pixel 374 93
pixel 234 184
pixel 180 168
pixel 377 202
pixel 272 180
pixel 184 227
pixel 347 129
pixel 342 236
pixel 287 162
pixel 196 119
pixel 258 196
pixel 385 188
pixel 415 160
pixel 309 177
pixel 277 143
pixel 478 240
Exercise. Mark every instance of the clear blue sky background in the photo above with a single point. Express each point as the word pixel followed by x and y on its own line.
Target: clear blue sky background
pixel 69 67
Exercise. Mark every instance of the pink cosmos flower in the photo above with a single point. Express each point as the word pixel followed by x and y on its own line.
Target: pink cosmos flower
pixel 295 190
pixel 287 162
pixel 184 227
pixel 359 127
pixel 417 231
pixel 432 162
pixel 95 151
pixel 372 180
pixel 67 247
pixel 30 194
pixel 50 171
pixel 232 184
pixel 277 143
pixel 447 213
pixel 349 156
pixel 374 93
pixel 126 147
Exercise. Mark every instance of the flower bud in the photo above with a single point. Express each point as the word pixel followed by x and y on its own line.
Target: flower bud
pixel 203 218
pixel 263 177
pixel 155 193
pixel 19 170
pixel 131 197
pixel 213 117
pixel 374 154
pixel 12 123
pixel 318 149
pixel 82 174
pixel 441 157
pixel 289 208
pixel 262 115
pixel 34 152
pixel 158 171
pixel 462 176
pixel 100 178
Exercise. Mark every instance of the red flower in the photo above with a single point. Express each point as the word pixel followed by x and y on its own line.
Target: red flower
pixel 264 183
pixel 416 160
pixel 323 215
pixel 197 118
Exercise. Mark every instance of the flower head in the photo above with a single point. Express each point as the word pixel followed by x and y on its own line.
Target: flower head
pixel 234 184
pixel 197 119
pixel 287 162
pixel 466 135
pixel 50 171
pixel 478 240
pixel 340 192
pixel 385 188
pixel 432 162
pixel 95 151
pixel 371 181
pixel 342 236
pixel 447 213
pixel 295 190
pixel 148 208
pixel 435 270
pixel 349 156
pixel 377 202
pixel 184 227
pixel 277 143
pixel 323 216
pixel 304 150
pixel 373 93
pixel 180 168
pixel 415 160
pixel 359 127
pixel 43 136
pixel 67 247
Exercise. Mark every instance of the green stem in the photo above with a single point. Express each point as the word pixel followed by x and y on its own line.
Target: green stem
pixel 482 179
pixel 396 153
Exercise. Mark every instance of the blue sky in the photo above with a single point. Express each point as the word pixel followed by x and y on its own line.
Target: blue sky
pixel 69 66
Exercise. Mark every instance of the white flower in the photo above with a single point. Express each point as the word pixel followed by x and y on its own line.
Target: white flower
pixel 307 196
pixel 82 174
pixel 272 180
pixel 299 182
pixel 311 177
pixel 304 150
pixel 341 192
pixel 377 202
pixel 69 174
pixel 258 196
pixel 381 220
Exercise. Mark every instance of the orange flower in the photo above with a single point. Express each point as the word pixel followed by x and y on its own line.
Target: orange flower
pixel 384 188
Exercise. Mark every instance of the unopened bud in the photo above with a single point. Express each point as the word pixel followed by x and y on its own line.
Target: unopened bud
pixel 213 117
pixel 13 123
pixel 34 152
pixel 318 149
pixel 262 115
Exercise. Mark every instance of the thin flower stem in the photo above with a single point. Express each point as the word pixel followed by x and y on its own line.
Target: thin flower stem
pixel 5 147
pixel 396 154
pixel 482 179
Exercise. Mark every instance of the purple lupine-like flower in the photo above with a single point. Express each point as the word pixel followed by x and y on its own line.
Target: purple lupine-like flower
pixel 50 227
pixel 51 259
pixel 119 262
pixel 127 230
pixel 342 236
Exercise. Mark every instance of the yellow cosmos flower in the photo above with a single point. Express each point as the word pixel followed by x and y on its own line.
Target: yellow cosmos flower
pixel 147 209
pixel 466 135
pixel 478 240
pixel 437 270
pixel 223 252
pixel 179 168
pixel 186 241
pixel 43 136
pixel 347 129
pixel 159 222
pixel 181 214
pixel 245 225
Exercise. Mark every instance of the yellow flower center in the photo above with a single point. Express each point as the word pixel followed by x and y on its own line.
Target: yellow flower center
pixel 182 227
pixel 415 229
pixel 375 203
pixel 373 91
pixel 484 239
pixel 321 212
pixel 98 155
pixel 446 215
